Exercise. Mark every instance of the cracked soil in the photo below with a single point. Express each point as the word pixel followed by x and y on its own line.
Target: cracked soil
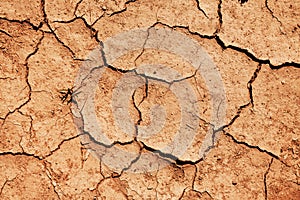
pixel 255 153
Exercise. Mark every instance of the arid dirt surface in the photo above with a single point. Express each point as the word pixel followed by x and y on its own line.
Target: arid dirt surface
pixel 245 145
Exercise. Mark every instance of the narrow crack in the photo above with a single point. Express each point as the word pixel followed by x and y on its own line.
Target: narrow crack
pixel 255 59
pixel 113 176
pixel 241 108
pixel 251 146
pixel 52 31
pixel 272 13
pixel 129 2
pixel 4 184
pixel 7 78
pixel 237 115
pixel 20 154
pixel 185 28
pixel 60 144
pixel 199 8
pixel 1 189
pixel 123 10
pixel 145 95
pixel 87 25
pixel 93 31
pixel 93 140
pixel 118 12
pixel 265 179
pixel 100 17
pixel 31 119
pixel 220 18
pixel 164 155
pixel 36 28
pixel 100 180
pixel 143 48
pixel 132 161
pixel 139 113
pixel 5 33
pixel 27 80
pixel 170 157
pixel 206 192
pixel 182 194
pixel 49 171
pixel 76 7
pixel 165 81
pixel 27 67
pixel 21 138
pixel 217 38
pixel 249 84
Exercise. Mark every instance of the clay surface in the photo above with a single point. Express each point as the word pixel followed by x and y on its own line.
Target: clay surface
pixel 139 99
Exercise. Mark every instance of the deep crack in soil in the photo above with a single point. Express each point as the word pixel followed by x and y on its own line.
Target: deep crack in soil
pixel 48 152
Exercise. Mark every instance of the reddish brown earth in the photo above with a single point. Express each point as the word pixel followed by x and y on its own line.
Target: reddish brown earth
pixel 48 152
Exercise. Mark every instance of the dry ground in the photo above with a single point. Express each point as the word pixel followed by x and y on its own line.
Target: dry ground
pixel 253 44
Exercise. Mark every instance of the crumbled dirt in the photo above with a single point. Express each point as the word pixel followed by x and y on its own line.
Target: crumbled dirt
pixel 50 150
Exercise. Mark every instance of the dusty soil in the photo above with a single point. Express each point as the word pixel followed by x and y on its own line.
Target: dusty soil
pixel 49 149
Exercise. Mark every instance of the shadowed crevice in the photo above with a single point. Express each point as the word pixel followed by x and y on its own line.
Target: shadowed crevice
pixel 265 179
pixel 199 8
pixel 251 146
